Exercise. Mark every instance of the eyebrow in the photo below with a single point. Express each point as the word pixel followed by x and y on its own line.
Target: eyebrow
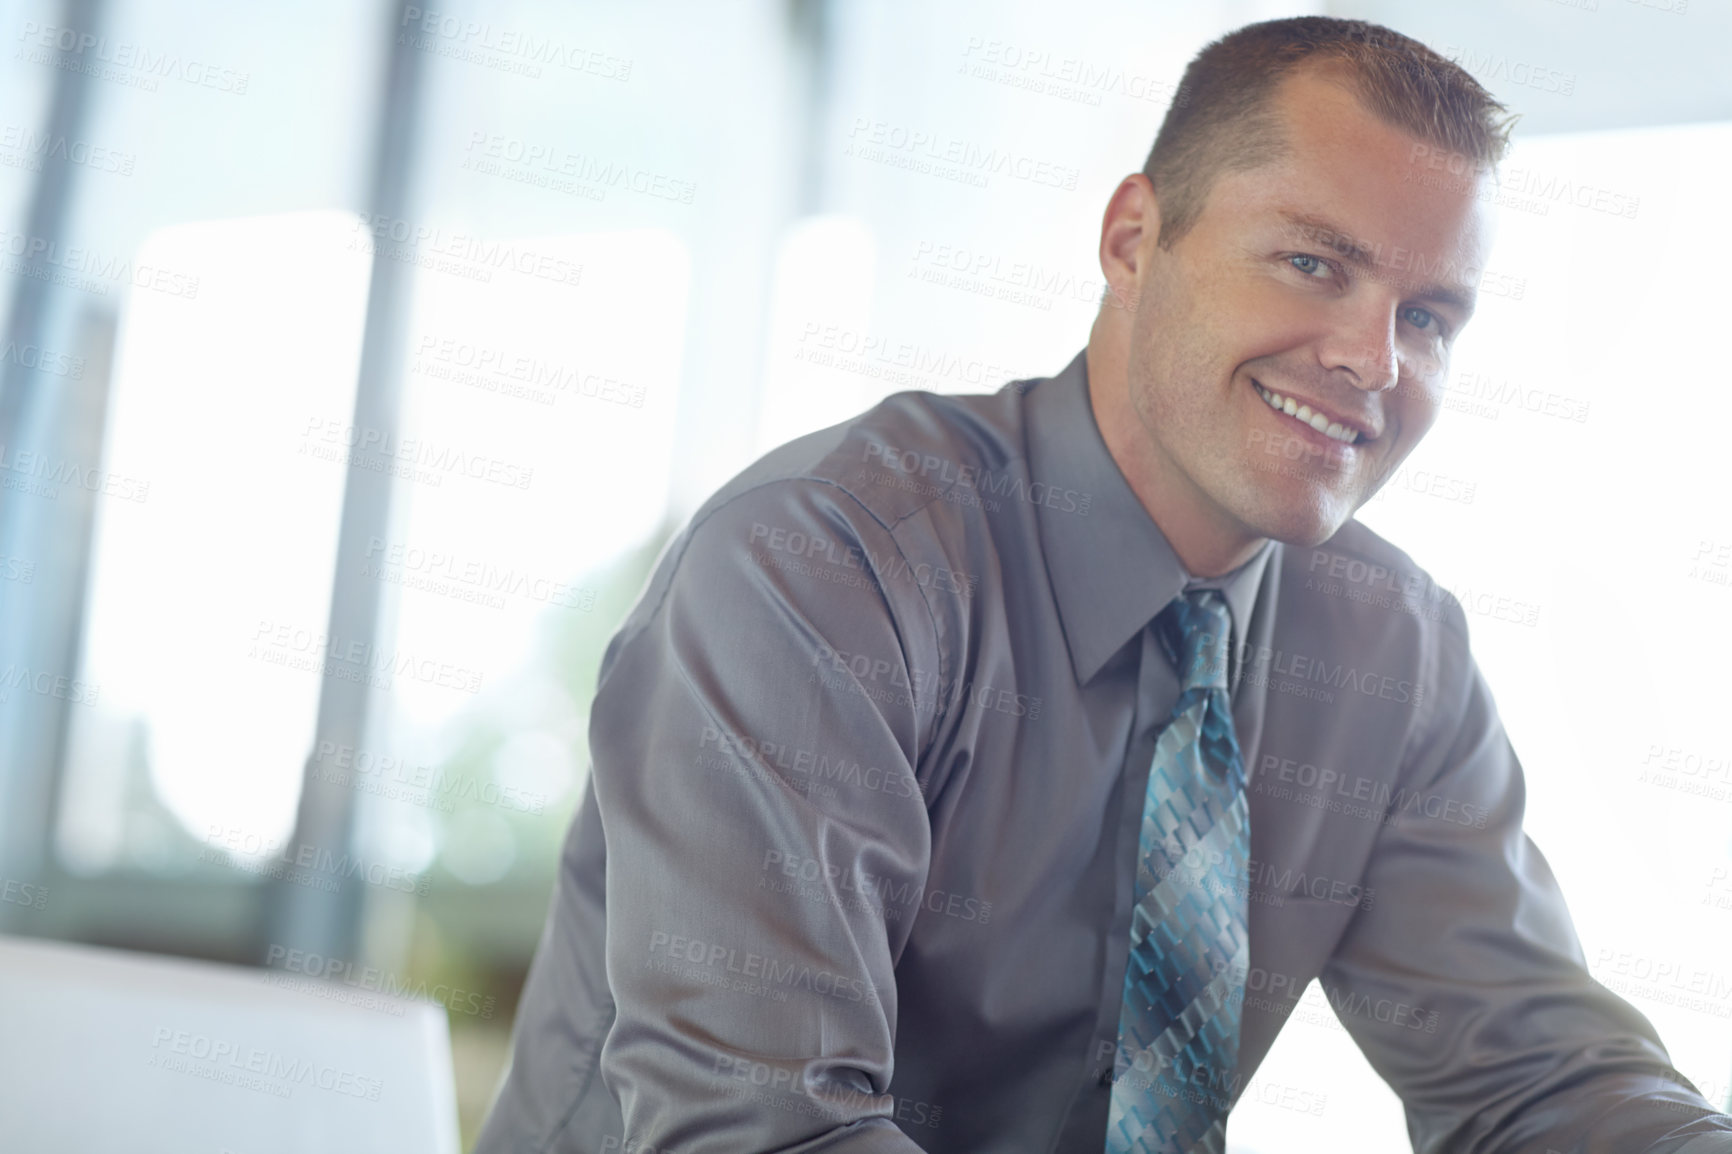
pixel 1356 253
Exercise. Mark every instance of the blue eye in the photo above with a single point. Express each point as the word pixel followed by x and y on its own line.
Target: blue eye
pixel 1428 321
pixel 1307 264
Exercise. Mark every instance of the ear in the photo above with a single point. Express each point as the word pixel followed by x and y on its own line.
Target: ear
pixel 1129 227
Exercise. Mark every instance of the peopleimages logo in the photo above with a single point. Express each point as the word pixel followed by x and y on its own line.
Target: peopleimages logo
pixel 991 275
pixel 883 566
pixel 20 893
pixel 1066 77
pixel 252 853
pixel 932 468
pixel 772 973
pixel 135 65
pixel 472 256
pixel 34 147
pixel 391 776
pixel 881 894
pixel 46 684
pixel 841 669
pixel 553 166
pixel 1380 800
pixel 810 766
pixel 781 1087
pixel 374 980
pixel 88 269
pixel 364 446
pixel 1301 668
pixel 230 1058
pixel 495 368
pixel 951 157
pixel 511 49
pixel 476 573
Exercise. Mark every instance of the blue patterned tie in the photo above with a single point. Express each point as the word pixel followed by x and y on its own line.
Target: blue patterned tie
pixel 1179 1024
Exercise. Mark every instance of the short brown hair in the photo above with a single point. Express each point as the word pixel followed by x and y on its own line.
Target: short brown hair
pixel 1222 119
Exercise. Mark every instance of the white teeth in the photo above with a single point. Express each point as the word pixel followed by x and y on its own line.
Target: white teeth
pixel 1334 430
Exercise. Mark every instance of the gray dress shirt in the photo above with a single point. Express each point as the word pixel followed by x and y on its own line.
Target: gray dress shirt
pixel 853 870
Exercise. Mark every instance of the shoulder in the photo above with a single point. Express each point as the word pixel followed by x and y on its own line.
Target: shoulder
pixel 1360 600
pixel 879 512
pixel 1360 573
pixel 843 540
pixel 901 490
pixel 895 459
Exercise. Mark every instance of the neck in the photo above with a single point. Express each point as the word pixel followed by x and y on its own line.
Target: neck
pixel 1206 541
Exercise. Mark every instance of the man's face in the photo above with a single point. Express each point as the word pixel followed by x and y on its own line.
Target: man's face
pixel 1323 280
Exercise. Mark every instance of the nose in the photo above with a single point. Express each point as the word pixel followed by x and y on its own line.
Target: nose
pixel 1363 343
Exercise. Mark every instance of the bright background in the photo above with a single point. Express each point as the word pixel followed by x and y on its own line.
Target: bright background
pixel 238 237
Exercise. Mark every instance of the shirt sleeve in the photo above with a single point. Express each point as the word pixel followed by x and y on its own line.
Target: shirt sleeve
pixel 754 739
pixel 1529 1053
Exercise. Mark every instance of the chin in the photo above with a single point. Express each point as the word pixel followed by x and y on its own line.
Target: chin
pixel 1311 537
pixel 1302 526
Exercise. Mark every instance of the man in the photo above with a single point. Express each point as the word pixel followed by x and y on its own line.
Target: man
pixel 993 773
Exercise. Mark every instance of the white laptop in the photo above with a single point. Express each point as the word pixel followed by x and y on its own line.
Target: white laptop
pixel 109 1051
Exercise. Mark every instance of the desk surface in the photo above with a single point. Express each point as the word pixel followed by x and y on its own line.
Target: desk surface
pixel 109 1050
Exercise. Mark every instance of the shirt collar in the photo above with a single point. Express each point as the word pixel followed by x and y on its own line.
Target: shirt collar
pixel 1110 565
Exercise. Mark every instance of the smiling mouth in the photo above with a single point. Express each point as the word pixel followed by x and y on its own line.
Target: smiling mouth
pixel 1288 407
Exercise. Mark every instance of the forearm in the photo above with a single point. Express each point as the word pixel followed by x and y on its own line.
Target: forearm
pixel 1530 1053
pixel 1610 1113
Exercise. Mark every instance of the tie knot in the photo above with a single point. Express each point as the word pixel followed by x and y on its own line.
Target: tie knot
pixel 1193 629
